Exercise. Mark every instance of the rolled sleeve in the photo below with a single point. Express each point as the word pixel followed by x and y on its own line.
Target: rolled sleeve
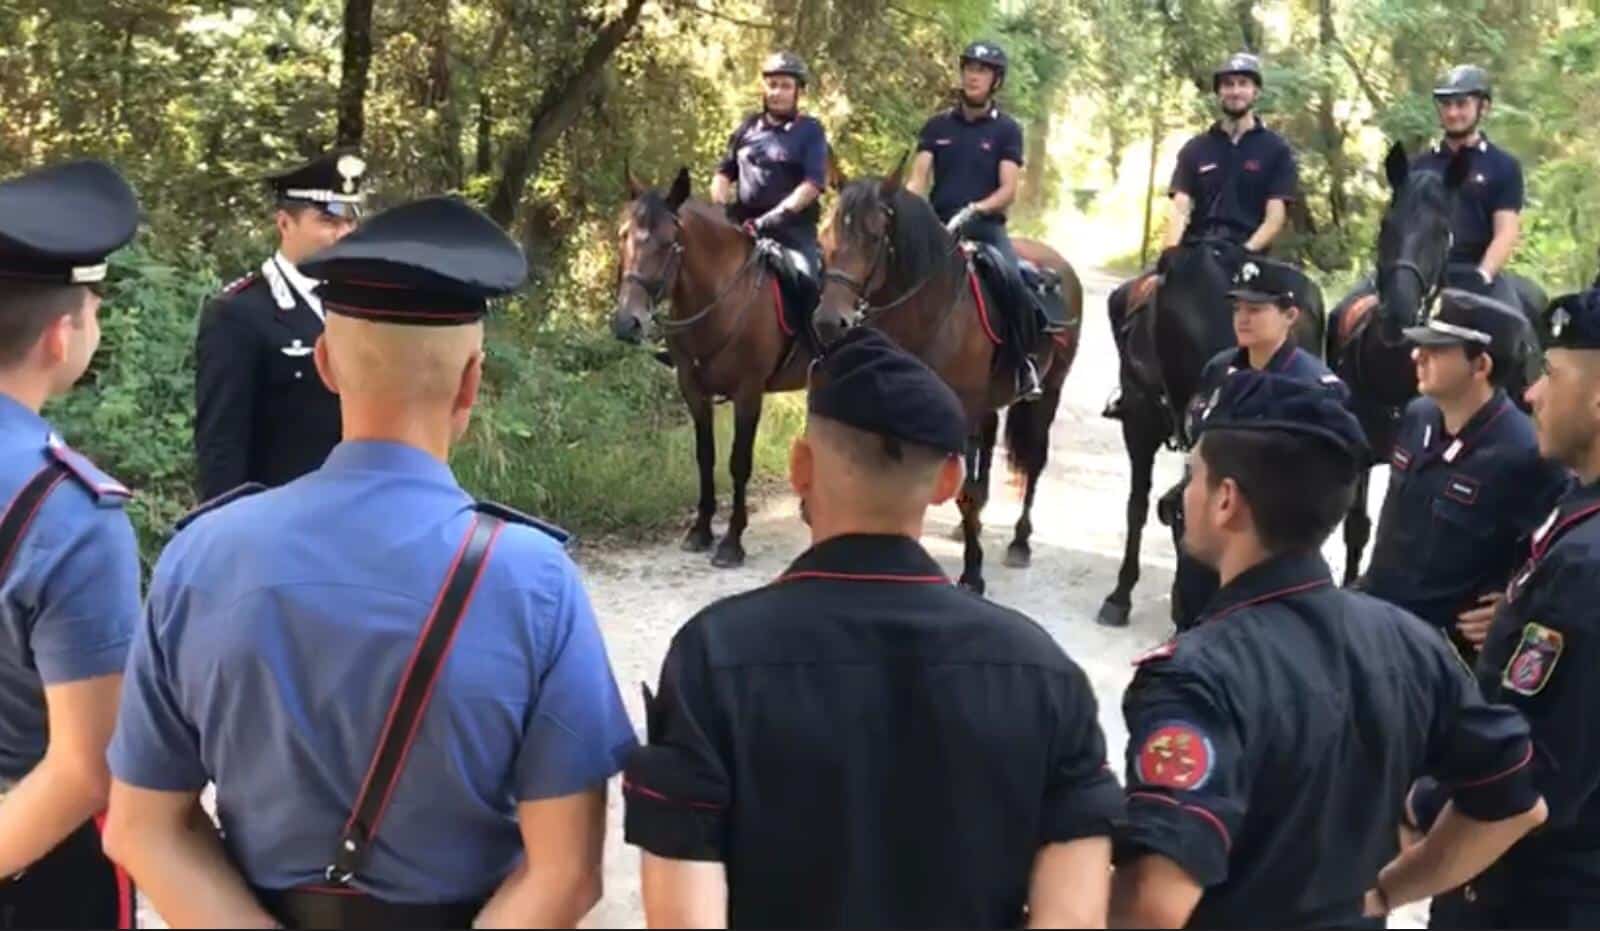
pixel 1083 798
pixel 579 734
pixel 1011 145
pixel 1184 175
pixel 677 787
pixel 1508 193
pixel 1187 785
pixel 156 745
pixel 1285 184
pixel 815 158
pixel 89 605
pixel 927 134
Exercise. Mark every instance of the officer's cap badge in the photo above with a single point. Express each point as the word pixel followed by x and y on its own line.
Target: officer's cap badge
pixel 1559 320
pixel 350 168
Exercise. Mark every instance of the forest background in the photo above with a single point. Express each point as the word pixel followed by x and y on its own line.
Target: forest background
pixel 535 110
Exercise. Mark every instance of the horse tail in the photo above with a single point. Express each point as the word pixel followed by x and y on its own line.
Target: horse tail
pixel 1027 439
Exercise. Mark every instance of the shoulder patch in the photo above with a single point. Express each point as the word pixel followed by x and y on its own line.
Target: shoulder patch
pixel 515 516
pixel 239 284
pixel 107 491
pixel 227 497
pixel 1529 669
pixel 1159 651
pixel 1176 755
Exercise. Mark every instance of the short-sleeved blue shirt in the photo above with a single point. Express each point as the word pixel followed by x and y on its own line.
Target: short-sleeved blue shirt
pixel 1494 183
pixel 1231 182
pixel 69 599
pixel 276 632
pixel 967 156
pixel 769 160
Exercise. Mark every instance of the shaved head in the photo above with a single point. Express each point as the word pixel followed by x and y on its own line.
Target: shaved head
pixel 397 363
pixel 868 476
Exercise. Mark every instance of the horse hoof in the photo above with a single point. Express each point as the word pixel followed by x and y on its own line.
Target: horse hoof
pixel 697 540
pixel 730 555
pixel 1112 615
pixel 1018 556
pixel 975 585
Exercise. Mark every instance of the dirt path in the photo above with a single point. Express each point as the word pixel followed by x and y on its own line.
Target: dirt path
pixel 642 595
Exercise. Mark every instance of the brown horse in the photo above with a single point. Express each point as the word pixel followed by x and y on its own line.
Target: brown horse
pixel 722 328
pixel 892 265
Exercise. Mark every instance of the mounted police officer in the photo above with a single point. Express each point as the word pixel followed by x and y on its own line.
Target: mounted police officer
pixel 772 176
pixel 1466 483
pixel 400 694
pixel 971 158
pixel 1540 657
pixel 1232 185
pixel 69 563
pixel 1487 221
pixel 1265 307
pixel 1271 747
pixel 261 412
pixel 861 743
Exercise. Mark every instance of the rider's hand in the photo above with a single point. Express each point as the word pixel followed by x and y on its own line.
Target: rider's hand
pixel 962 218
pixel 770 219
pixel 1483 273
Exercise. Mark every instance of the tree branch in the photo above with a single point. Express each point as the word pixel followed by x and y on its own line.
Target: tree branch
pixel 693 7
pixel 1356 71
pixel 913 15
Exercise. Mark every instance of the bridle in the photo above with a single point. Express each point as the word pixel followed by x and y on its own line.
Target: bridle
pixel 863 309
pixel 655 289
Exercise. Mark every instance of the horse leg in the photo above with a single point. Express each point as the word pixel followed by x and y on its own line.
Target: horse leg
pixel 974 494
pixel 1028 446
pixel 746 418
pixel 699 538
pixel 1141 435
pixel 1357 529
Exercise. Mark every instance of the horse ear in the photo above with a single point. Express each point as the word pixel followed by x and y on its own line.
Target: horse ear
pixel 891 183
pixel 1455 173
pixel 680 190
pixel 634 187
pixel 1397 166
pixel 835 175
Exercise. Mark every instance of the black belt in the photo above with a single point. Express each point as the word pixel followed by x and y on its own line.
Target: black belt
pixel 342 907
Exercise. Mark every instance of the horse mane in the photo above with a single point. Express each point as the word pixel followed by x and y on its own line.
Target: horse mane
pixel 920 241
pixel 650 208
pixel 1422 189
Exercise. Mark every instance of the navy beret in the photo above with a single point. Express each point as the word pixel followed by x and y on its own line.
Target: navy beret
pixel 1256 400
pixel 868 382
pixel 432 262
pixel 1574 321
pixel 58 224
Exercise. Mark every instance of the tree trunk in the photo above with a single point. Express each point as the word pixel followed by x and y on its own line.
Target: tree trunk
pixel 1330 133
pixel 556 110
pixel 1036 185
pixel 357 61
pixel 1156 129
pixel 442 97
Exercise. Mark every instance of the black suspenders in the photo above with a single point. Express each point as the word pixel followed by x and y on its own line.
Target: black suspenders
pixel 411 699
pixel 23 508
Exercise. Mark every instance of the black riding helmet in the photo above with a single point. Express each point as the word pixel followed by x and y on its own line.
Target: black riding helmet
pixel 1463 80
pixel 988 53
pixel 1238 63
pixel 786 63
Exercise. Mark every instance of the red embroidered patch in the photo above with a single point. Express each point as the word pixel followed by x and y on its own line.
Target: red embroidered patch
pixel 1252 165
pixel 1400 459
pixel 1176 755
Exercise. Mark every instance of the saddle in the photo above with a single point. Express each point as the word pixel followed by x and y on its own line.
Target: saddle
pixel 1024 286
pixel 795 292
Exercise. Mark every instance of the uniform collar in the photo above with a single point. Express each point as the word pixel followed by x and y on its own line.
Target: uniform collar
pixel 303 286
pixel 1281 575
pixel 1278 362
pixel 960 113
pixel 389 457
pixel 867 558
pixel 1579 504
pixel 1258 126
pixel 1475 427
pixel 784 126
pixel 18 417
pixel 1483 144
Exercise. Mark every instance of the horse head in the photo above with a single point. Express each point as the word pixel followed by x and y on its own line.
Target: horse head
pixel 1414 240
pixel 650 251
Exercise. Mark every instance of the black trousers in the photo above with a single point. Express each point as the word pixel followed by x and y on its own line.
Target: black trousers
pixel 1453 910
pixel 73 886
pixel 349 910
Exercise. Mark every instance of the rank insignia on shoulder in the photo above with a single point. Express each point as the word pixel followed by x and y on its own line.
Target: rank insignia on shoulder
pixel 240 283
pixel 1531 665
pixel 107 491
pixel 515 516
pixel 1159 651
pixel 1176 755
pixel 212 504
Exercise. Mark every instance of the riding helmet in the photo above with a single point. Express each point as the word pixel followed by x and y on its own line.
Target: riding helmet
pixel 1238 63
pixel 786 63
pixel 1463 80
pixel 988 53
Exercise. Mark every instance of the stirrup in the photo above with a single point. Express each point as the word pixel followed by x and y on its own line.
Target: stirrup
pixel 1028 386
pixel 1114 408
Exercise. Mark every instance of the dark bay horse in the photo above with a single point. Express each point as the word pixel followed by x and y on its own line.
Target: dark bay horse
pixel 1366 346
pixel 892 265
pixel 722 328
pixel 1177 323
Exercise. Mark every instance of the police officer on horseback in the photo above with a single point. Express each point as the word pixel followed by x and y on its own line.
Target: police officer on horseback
pixel 773 174
pixel 971 158
pixel 1487 218
pixel 1232 184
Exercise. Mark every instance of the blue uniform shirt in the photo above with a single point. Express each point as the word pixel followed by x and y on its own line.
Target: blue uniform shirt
pixel 1459 509
pixel 277 630
pixel 967 156
pixel 69 599
pixel 1230 183
pixel 769 161
pixel 1494 183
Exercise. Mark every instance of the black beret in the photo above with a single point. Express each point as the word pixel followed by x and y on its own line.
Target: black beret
pixel 1254 400
pixel 58 224
pixel 1464 317
pixel 1574 321
pixel 435 261
pixel 868 382
pixel 331 182
pixel 1261 281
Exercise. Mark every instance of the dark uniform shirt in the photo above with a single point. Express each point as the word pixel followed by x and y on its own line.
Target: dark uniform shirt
pixel 1289 361
pixel 769 161
pixel 1494 183
pixel 967 156
pixel 1541 658
pixel 1459 510
pixel 865 745
pixel 262 413
pixel 1271 748
pixel 1230 183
